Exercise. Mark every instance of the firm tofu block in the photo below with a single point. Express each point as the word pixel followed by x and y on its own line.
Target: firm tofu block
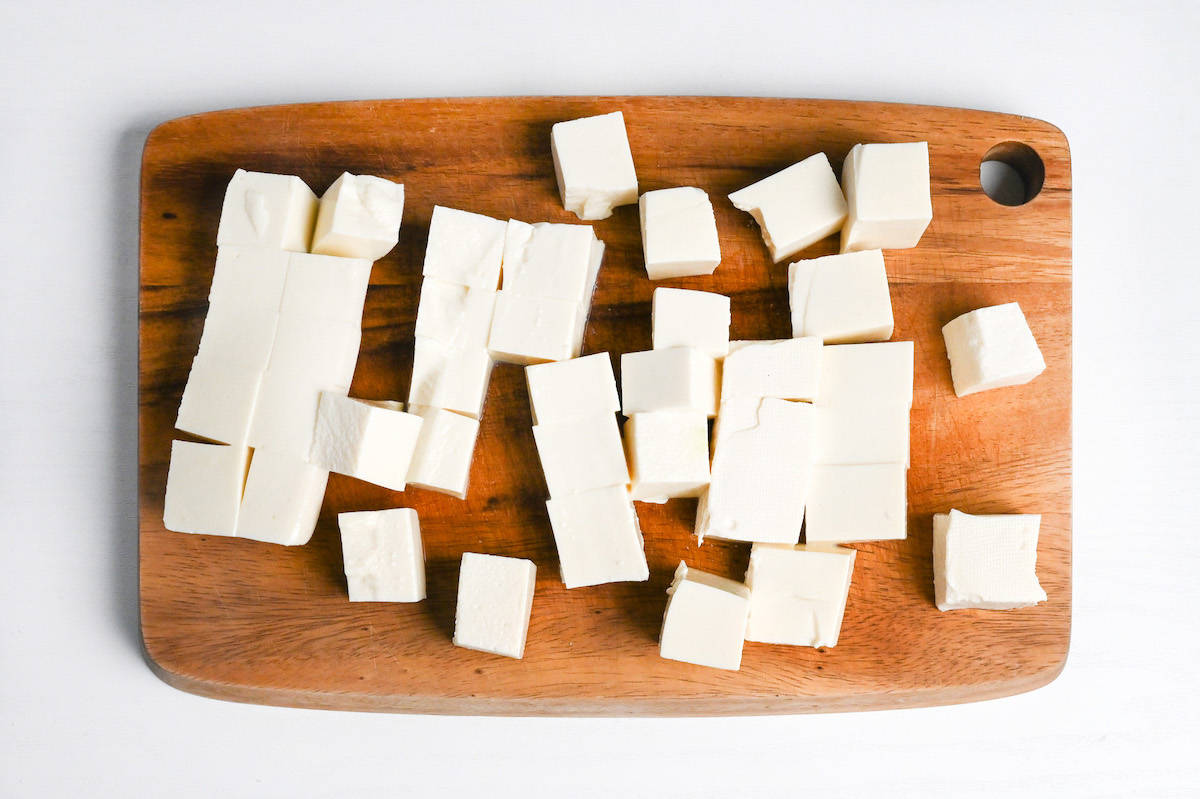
pixel 593 165
pixel 204 488
pixel 581 453
pixel 359 217
pixel 857 374
pixel 705 620
pixel 365 441
pixel 686 318
pixel 495 598
pixel 445 447
pixel 887 196
pixel 798 594
pixel 282 499
pixel 991 348
pixel 796 207
pixel 383 555
pixel 528 329
pixel 675 379
pixel 598 538
pixel 464 248
pixel 783 369
pixel 668 454
pixel 218 401
pixel 841 299
pixel 457 316
pixel 248 278
pixel 551 260
pixel 579 387
pixel 239 337
pixel 449 377
pixel 679 233
pixel 986 562
pixel 857 502
pixel 325 286
pixel 266 210
pixel 861 433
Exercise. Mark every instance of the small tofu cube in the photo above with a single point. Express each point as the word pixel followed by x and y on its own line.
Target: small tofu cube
pixel 593 165
pixel 783 369
pixel 320 350
pixel 986 562
pixel 551 260
pixel 841 299
pixel 796 207
pixel 218 401
pixel 442 461
pixel 598 538
pixel 887 196
pixel 449 377
pixel 464 248
pixel 365 441
pixel 668 454
pixel 679 233
pixel 529 329
pixel 798 594
pixel 856 502
pixel 578 387
pixel 460 317
pixel 992 348
pixel 861 433
pixel 675 379
pixel 282 499
pixel 248 278
pixel 204 488
pixel 495 599
pixel 686 318
pixel 581 453
pixel 239 337
pixel 325 286
pixel 705 620
pixel 359 217
pixel 266 210
pixel 383 556
pixel 855 374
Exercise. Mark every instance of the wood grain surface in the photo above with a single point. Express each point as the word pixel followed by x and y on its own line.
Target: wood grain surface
pixel 252 622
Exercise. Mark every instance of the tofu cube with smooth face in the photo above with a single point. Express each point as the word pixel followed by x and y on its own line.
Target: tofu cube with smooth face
pixel 705 619
pixel 686 318
pixel 783 369
pixel 841 299
pixel 464 248
pixel 796 207
pixel 359 217
pixel 528 329
pixel 856 502
pixel 887 196
pixel 578 387
pixel 365 441
pixel 549 260
pixel 987 562
pixel 204 488
pixel 445 448
pixel 798 594
pixel 495 599
pixel 991 348
pixel 248 278
pixel 675 379
pixel 266 210
pixel 856 374
pixel 325 287
pixel 218 401
pixel 861 433
pixel 282 499
pixel 679 233
pixel 449 377
pixel 593 165
pixel 598 538
pixel 668 454
pixel 457 316
pixel 581 453
pixel 238 337
pixel 382 554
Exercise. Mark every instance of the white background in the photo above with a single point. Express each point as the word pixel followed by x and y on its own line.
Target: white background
pixel 81 715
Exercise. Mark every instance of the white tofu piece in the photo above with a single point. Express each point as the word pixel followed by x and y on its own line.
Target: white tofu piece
pixel 856 374
pixel 598 538
pixel 841 299
pixel 554 261
pixel 285 415
pixel 861 433
pixel 320 349
pixel 783 369
pixel 495 599
pixel 798 594
pixel 248 278
pixel 675 379
pixel 668 454
pixel 383 556
pixel 464 248
pixel 445 447
pixel 686 318
pixel 239 337
pixel 593 165
pixel 796 207
pixel 359 217
pixel 679 233
pixel 761 468
pixel 581 453
pixel 204 488
pixel 455 315
pixel 266 210
pixel 453 378
pixel 986 562
pixel 585 306
pixel 857 502
pixel 365 441
pixel 529 329
pixel 705 619
pixel 325 286
pixel 991 348
pixel 282 499
pixel 578 387
pixel 516 238
pixel 887 196
pixel 218 401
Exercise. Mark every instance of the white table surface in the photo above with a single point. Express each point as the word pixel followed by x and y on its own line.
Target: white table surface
pixel 81 715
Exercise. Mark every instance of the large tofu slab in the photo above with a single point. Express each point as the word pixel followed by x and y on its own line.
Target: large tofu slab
pixel 364 440
pixel 576 387
pixel 282 499
pixel 795 207
pixel 266 210
pixel 986 562
pixel 382 554
pixel 464 248
pixel 593 165
pixel 204 488
pixel 705 620
pixel 495 599
pixel 359 217
pixel 857 502
pixel 598 537
pixel 841 299
pixel 798 594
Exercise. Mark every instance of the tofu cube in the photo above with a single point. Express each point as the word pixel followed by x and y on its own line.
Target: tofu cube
pixel 528 329
pixel 991 348
pixel 857 502
pixel 449 377
pixel 861 433
pixel 798 594
pixel 359 217
pixel 796 207
pixel 204 488
pixel 783 369
pixel 218 401
pixel 856 374
pixel 238 337
pixel 495 599
pixel 675 379
pixel 986 562
pixel 248 278
pixel 598 538
pixel 705 620
pixel 887 196
pixel 668 454
pixel 457 316
pixel 593 165
pixel 686 318
pixel 325 286
pixel 445 448
pixel 464 248
pixel 841 299
pixel 383 556
pixel 265 210
pixel 549 260
pixel 578 387
pixel 581 453
pixel 365 441
pixel 282 499
pixel 679 233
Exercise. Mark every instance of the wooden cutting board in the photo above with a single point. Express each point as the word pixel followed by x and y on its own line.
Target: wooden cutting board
pixel 252 622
